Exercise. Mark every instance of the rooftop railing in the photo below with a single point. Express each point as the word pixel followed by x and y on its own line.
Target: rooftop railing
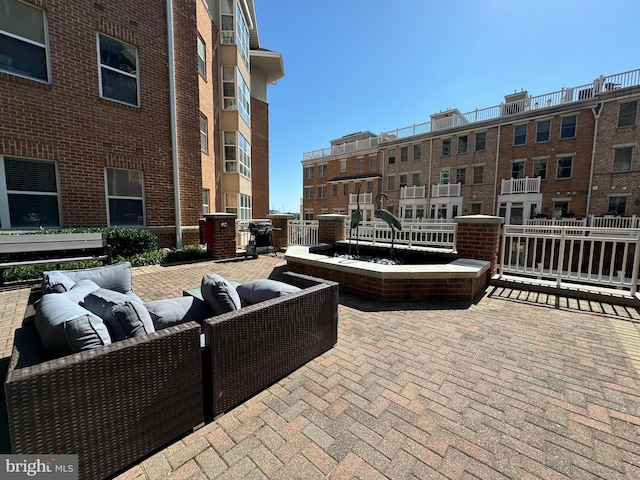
pixel 546 100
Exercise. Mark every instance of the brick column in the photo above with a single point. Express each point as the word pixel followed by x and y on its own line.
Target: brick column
pixel 331 228
pixel 221 229
pixel 280 222
pixel 478 237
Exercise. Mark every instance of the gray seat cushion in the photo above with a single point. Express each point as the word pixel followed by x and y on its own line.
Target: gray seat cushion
pixel 124 314
pixel 174 311
pixel 112 277
pixel 65 327
pixel 219 294
pixel 257 291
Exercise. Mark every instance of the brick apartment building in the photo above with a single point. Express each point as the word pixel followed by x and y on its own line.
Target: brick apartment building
pixel 144 114
pixel 567 153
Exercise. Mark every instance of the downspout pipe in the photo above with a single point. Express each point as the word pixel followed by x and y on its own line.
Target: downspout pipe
pixel 174 122
pixel 596 116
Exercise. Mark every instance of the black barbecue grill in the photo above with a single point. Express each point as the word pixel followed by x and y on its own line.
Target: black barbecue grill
pixel 261 236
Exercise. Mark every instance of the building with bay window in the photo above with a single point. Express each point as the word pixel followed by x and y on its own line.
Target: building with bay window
pixel 143 114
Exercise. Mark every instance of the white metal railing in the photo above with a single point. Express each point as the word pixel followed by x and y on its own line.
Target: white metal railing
pixel 302 232
pixel 563 222
pixel 446 190
pixel 610 221
pixel 415 191
pixel 364 198
pixel 520 185
pixel 424 234
pixel 586 255
pixel 546 100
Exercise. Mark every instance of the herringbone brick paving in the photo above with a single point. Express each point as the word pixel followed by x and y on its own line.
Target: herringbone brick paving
pixel 513 385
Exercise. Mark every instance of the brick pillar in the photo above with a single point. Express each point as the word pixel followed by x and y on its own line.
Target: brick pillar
pixel 478 237
pixel 331 228
pixel 221 227
pixel 280 222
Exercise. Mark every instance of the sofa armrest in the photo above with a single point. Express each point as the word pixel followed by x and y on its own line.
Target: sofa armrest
pixel 111 405
pixel 254 347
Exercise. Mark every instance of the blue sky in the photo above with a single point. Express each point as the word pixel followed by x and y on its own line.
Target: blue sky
pixel 357 65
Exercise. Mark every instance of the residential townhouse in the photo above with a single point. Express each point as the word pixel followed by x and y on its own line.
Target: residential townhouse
pixel 572 152
pixel 144 114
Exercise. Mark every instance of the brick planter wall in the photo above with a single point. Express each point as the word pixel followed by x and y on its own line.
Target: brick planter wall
pixel 280 224
pixel 478 238
pixel 331 228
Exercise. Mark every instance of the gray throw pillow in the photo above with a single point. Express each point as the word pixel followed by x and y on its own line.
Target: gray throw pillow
pixel 219 294
pixel 56 282
pixel 65 327
pixel 112 277
pixel 257 291
pixel 123 314
pixel 174 311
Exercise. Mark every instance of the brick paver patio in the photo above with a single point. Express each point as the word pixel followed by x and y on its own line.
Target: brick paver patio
pixel 513 385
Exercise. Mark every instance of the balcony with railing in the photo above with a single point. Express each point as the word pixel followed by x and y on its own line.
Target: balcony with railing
pixel 520 185
pixel 547 100
pixel 446 190
pixel 416 191
pixel 365 198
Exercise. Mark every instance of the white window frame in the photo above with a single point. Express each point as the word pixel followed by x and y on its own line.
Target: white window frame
pixel 620 148
pixel 229 79
pixel 5 213
pixel 227 35
pixel 546 167
pixel 322 170
pixel 308 193
pixel 322 191
pixel 131 76
pixel 548 132
pixel 635 118
pixel 204 134
pixel 444 176
pixel 109 197
pixel 242 36
pixel 202 57
pixel 521 170
pixel 518 136
pixel 245 207
pixel 244 98
pixel 206 200
pixel 343 165
pixel 417 152
pixel 7 65
pixel 560 158
pixel 241 149
pixel 562 127
pixel 308 172
pixel 244 157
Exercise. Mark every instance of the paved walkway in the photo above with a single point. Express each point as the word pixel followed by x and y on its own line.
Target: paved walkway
pixel 514 385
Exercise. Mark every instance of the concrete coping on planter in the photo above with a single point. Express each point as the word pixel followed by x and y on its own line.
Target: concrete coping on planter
pixel 460 268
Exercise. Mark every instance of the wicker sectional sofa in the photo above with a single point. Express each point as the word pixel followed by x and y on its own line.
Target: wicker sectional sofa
pixel 116 404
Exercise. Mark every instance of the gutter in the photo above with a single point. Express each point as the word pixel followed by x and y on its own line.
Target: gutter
pixel 596 116
pixel 173 120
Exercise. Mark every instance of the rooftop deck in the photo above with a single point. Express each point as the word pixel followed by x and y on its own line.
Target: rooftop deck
pixel 513 385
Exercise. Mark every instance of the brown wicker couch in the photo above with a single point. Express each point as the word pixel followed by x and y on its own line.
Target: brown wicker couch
pixel 116 404
pixel 254 347
pixel 112 405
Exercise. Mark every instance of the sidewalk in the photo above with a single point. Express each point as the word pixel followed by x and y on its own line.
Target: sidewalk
pixel 514 385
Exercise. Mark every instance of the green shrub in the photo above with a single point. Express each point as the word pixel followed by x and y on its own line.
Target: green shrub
pixel 186 254
pixel 155 257
pixel 34 272
pixel 129 242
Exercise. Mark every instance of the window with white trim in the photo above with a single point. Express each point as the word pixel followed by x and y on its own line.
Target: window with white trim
pixel 568 127
pixel 118 65
pixel 125 197
pixel 29 193
pixel 322 191
pixel 204 135
pixel 404 154
pixel 24 49
pixel 343 165
pixel 206 198
pixel 228 88
pixel 391 182
pixel 227 34
pixel 322 170
pixel 478 174
pixel 202 58
pixel 244 99
pixel 520 134
pixel 462 144
pixel 627 113
pixel 242 36
pixel 308 172
pixel 543 130
pixel 540 168
pixel 417 152
pixel 618 204
pixel 372 163
pixel 415 179
pixel 237 154
pixel 565 165
pixel 517 169
pixel 461 175
pixel 622 159
pixel 245 207
pixel 308 193
pixel 444 176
